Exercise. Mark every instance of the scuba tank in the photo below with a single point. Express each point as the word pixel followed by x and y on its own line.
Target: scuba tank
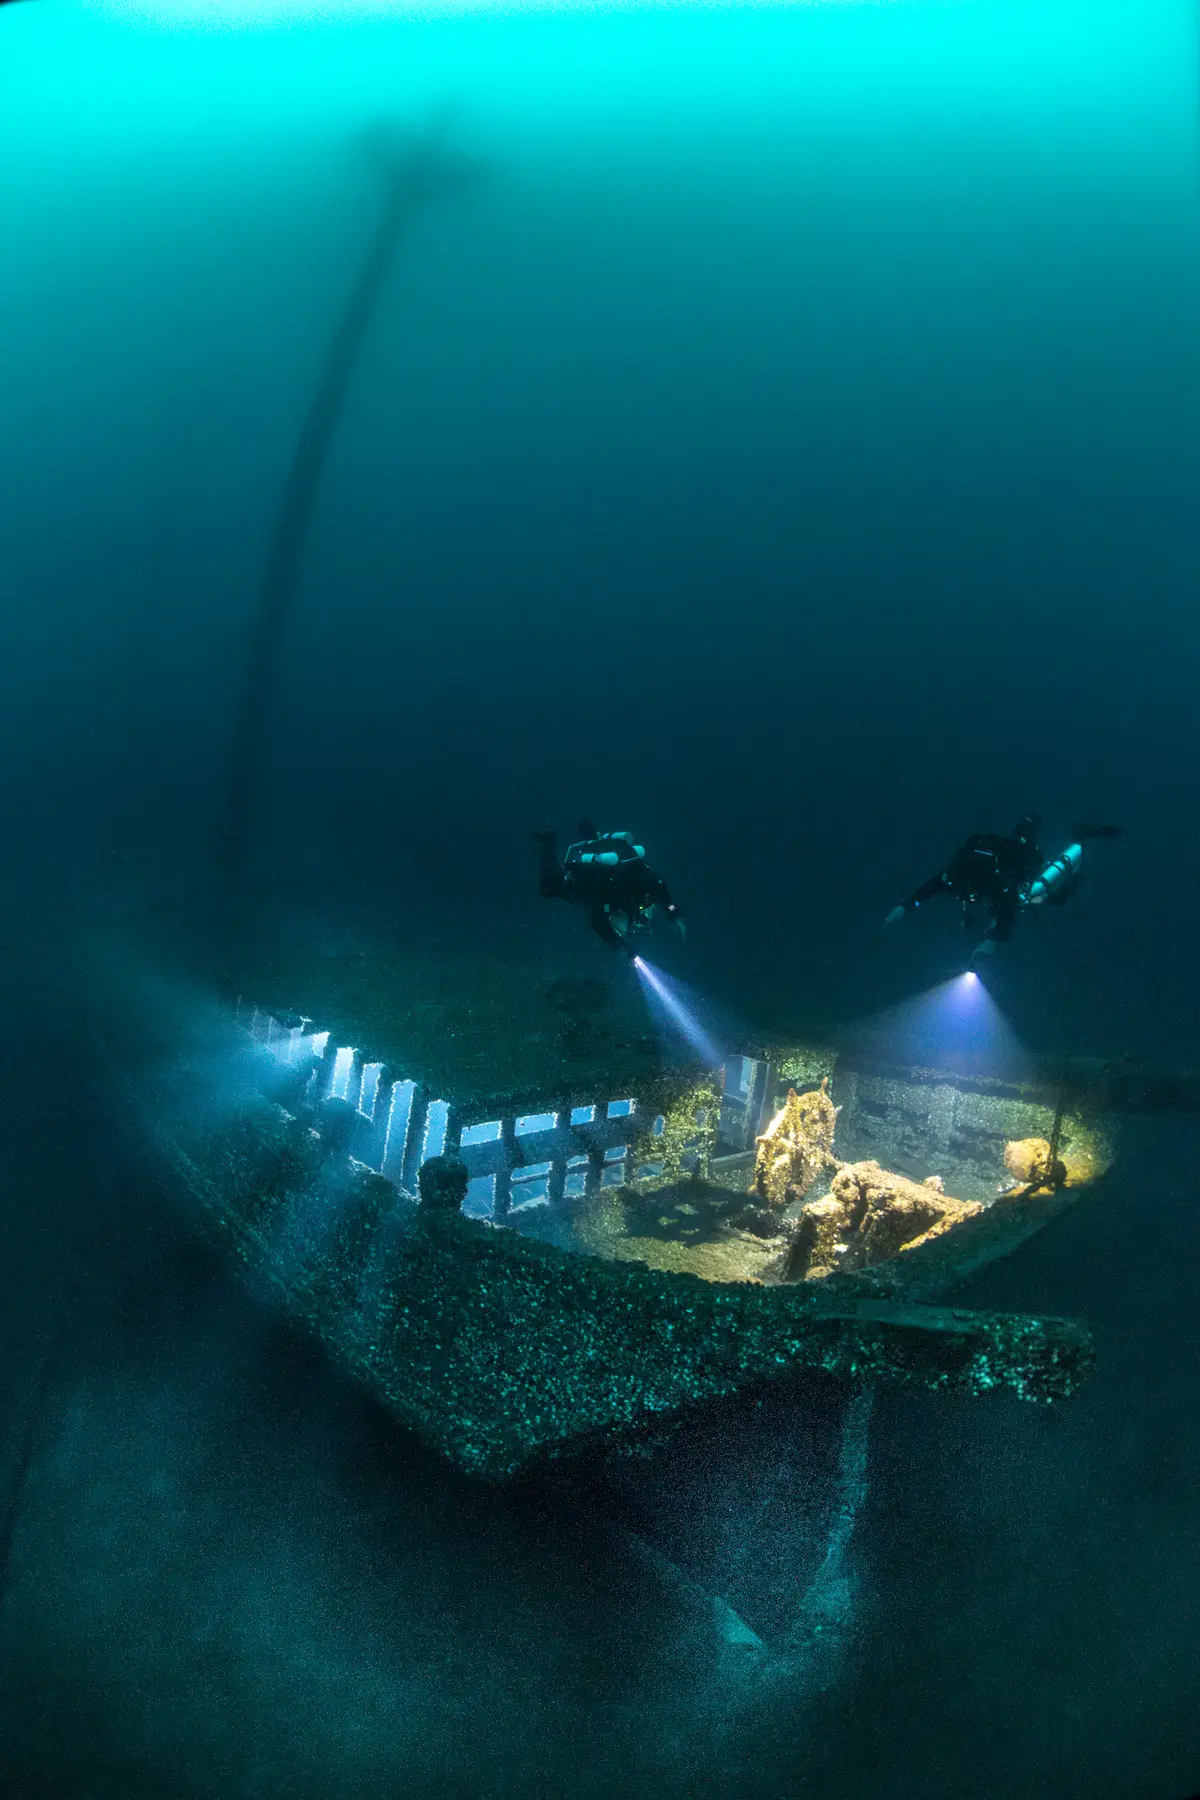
pixel 607 858
pixel 1058 880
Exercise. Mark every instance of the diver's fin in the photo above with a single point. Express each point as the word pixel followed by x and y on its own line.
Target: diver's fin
pixel 586 830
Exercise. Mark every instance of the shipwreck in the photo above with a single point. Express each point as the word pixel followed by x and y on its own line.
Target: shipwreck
pixel 637 1234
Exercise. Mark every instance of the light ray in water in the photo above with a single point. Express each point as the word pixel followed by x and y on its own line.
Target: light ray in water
pixel 956 1026
pixel 665 1003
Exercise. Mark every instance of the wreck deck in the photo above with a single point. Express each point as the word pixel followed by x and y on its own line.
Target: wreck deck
pixel 501 1347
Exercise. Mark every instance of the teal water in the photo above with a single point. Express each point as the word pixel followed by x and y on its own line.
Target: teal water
pixel 784 370
pixel 784 445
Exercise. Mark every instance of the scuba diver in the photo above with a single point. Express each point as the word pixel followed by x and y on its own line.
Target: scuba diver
pixel 608 873
pixel 996 877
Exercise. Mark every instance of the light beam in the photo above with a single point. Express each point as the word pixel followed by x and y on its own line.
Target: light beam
pixel 955 1026
pixel 663 999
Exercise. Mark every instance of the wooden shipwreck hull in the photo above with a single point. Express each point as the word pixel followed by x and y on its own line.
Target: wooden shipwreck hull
pixel 499 1344
pixel 499 1350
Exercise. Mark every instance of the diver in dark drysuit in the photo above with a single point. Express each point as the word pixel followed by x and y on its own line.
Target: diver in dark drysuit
pixel 986 874
pixel 608 873
pixel 995 877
